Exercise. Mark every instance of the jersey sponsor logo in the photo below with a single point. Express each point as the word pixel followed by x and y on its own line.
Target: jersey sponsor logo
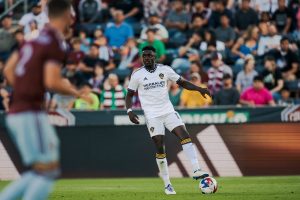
pixel 154 85
pixel 161 76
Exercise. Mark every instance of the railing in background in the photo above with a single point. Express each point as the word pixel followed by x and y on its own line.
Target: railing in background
pixel 9 9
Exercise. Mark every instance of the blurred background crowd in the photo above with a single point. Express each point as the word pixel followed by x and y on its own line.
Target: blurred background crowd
pixel 245 51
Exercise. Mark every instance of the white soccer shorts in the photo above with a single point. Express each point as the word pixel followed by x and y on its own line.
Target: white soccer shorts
pixel 157 125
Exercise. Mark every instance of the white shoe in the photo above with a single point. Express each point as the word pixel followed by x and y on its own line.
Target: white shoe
pixel 169 190
pixel 199 174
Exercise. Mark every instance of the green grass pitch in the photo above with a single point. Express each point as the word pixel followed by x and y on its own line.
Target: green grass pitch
pixel 256 188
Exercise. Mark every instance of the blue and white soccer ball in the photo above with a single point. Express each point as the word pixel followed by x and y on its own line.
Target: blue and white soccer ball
pixel 208 185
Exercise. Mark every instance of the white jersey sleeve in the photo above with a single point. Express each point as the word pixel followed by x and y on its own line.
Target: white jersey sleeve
pixel 172 75
pixel 133 83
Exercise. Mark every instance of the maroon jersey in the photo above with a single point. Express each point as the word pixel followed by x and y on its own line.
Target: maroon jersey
pixel 29 88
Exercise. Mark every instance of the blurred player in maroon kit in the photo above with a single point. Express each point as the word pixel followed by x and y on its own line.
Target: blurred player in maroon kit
pixel 32 71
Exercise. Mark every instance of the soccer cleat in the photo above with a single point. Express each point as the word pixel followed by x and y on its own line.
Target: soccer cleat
pixel 199 174
pixel 169 190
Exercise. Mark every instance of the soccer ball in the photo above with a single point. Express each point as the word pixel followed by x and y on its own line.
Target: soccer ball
pixel 208 185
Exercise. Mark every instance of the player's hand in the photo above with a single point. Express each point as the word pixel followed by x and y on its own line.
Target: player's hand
pixel 204 92
pixel 133 118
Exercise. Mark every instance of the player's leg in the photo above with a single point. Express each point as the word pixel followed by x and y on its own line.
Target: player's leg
pixel 174 123
pixel 157 131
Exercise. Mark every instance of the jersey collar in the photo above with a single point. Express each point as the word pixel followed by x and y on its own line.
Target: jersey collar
pixel 151 70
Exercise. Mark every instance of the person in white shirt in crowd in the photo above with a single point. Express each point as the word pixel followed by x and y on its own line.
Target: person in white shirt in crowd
pixel 272 41
pixel 36 14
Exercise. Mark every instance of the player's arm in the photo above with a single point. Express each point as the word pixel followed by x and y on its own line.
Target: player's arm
pixel 10 67
pixel 54 81
pixel 190 86
pixel 128 100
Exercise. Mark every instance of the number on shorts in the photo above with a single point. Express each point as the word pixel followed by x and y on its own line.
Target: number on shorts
pixel 26 53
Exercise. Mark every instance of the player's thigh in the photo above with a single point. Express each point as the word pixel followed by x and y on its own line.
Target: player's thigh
pixel 172 121
pixel 155 126
pixel 34 138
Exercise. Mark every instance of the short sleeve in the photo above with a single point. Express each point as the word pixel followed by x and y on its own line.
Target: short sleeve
pixel 133 83
pixel 172 75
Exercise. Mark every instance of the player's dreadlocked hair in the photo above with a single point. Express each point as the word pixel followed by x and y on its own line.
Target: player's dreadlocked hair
pixel 56 8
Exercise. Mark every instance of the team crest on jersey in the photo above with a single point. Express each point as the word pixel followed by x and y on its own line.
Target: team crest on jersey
pixel 152 129
pixel 161 76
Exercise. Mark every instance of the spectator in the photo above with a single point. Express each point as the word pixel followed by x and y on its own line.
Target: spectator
pixel 245 77
pixel 157 44
pixel 211 44
pixel 286 60
pixel 196 67
pixel 272 77
pixel 245 45
pixel 98 34
pixel 105 51
pixel 177 22
pixel 113 94
pixel 187 54
pixel 87 65
pixel 154 22
pixel 265 17
pixel 257 95
pixel 197 26
pixel 267 43
pixel 118 32
pixel 70 72
pixel 7 39
pixel 175 94
pixel 283 17
pixel 155 7
pixel 269 6
pixel 225 33
pixel 98 79
pixel 82 104
pixel 132 9
pixel 34 32
pixel 199 9
pixel 220 9
pixel 245 16
pixel 217 72
pixel 193 99
pixel 36 14
pixel 89 11
pixel 285 98
pixel 76 55
pixel 20 38
pixel 228 95
pixel 85 41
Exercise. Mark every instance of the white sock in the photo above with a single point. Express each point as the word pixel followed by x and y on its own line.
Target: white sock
pixel 190 152
pixel 162 164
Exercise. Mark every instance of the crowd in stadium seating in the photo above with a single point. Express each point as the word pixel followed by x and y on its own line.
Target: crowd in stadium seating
pixel 245 51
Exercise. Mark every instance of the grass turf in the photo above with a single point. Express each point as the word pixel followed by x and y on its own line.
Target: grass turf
pixel 246 188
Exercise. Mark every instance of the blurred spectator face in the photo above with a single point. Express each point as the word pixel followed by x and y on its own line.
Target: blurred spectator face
pixel 245 4
pixel 227 83
pixel 36 10
pixel 199 6
pixel 225 21
pixel 198 22
pixel 207 36
pixel 98 70
pixel 216 63
pixel 71 67
pixel 178 5
pixel 255 33
pixel 281 3
pixel 285 94
pixel 264 29
pixel 196 37
pixel 7 22
pixel 270 65
pixel 265 17
pixel 94 51
pixel 76 45
pixel 113 80
pixel 102 41
pixel 86 89
pixel 258 85
pixel 82 35
pixel 272 30
pixel 219 6
pixel 98 33
pixel 195 79
pixel 154 20
pixel 19 35
pixel 119 16
pixel 249 66
pixel 150 36
pixel 285 45
pixel 194 68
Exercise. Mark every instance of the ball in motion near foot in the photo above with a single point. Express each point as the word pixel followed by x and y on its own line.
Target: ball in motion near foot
pixel 208 185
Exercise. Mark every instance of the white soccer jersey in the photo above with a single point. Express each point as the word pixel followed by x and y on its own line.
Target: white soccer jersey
pixel 152 89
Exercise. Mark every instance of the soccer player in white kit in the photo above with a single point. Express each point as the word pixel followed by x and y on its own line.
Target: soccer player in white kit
pixel 151 83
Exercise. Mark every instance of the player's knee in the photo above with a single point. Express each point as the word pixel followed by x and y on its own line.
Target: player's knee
pixel 186 140
pixel 47 170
